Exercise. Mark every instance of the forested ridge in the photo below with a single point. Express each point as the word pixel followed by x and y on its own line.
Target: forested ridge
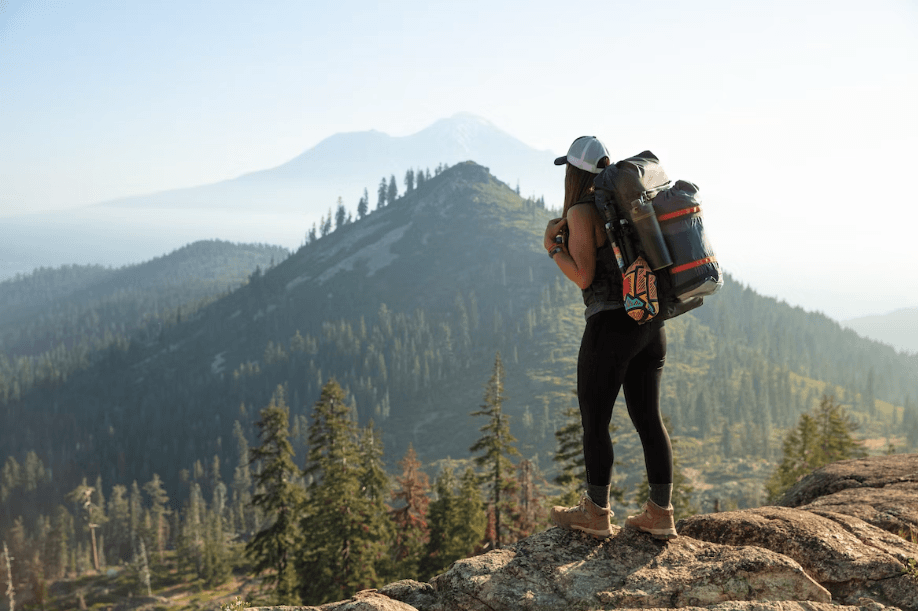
pixel 405 308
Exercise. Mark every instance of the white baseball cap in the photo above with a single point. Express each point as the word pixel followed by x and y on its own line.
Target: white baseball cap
pixel 585 153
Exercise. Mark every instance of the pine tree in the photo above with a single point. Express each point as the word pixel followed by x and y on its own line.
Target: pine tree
pixel 363 206
pixel 457 521
pixel 158 512
pixel 93 516
pixel 118 529
pixel 216 569
pixel 409 180
pixel 216 566
pixel 341 518
pixel 410 515
pixel 442 519
pixel 392 192
pixel 242 483
pixel 496 446
pixel 836 432
pixel 280 498
pixel 190 540
pixel 821 437
pixel 381 194
pixel 470 511
pixel 376 488
pixel 60 539
pixel 135 507
pixel 340 214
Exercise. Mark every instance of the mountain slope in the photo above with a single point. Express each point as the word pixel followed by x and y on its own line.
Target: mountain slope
pixel 58 306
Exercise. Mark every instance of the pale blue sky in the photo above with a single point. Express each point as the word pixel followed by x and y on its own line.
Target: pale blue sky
pixel 799 110
pixel 102 99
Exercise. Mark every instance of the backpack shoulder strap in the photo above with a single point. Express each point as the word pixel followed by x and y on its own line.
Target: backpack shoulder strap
pixel 589 199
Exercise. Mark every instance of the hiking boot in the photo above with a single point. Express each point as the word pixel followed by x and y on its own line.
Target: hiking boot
pixel 655 520
pixel 587 516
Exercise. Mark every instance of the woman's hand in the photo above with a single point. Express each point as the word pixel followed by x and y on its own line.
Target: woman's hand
pixel 555 226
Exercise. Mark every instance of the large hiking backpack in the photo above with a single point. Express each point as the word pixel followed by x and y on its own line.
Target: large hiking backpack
pixel 686 267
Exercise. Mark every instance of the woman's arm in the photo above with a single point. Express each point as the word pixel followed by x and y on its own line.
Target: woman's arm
pixel 578 260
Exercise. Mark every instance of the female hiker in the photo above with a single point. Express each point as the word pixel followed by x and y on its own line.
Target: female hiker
pixel 615 353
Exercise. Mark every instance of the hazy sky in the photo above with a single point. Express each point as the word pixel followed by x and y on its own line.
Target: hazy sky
pixel 793 113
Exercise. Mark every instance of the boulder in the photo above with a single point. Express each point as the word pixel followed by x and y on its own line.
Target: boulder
pixel 892 508
pixel 849 557
pixel 896 471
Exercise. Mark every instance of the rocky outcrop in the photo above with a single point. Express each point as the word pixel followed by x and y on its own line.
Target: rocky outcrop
pixel 880 490
pixel 834 540
pixel 847 556
pixel 844 523
pixel 877 472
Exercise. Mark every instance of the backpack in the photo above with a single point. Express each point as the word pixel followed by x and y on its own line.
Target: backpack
pixel 649 217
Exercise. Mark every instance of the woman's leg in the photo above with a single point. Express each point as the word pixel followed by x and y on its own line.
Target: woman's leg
pixel 609 341
pixel 642 395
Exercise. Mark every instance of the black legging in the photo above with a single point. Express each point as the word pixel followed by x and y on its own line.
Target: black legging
pixel 616 352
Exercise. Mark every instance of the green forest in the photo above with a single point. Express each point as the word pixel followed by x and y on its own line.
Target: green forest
pixel 192 419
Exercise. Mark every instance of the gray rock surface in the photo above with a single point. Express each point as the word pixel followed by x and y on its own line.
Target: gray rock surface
pixel 848 556
pixel 832 544
pixel 898 471
pixel 557 569
pixel 892 508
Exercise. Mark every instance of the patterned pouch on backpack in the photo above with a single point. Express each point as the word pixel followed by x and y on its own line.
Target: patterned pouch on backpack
pixel 639 286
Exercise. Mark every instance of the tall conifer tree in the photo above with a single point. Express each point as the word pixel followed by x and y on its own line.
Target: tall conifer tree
pixel 457 521
pixel 159 511
pixel 392 192
pixel 363 206
pixel 118 529
pixel 242 483
pixel 496 447
pixel 280 498
pixel 823 436
pixel 60 542
pixel 342 555
pixel 340 213
pixel 381 193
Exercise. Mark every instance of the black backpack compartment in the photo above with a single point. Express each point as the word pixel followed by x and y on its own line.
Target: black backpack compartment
pixel 695 271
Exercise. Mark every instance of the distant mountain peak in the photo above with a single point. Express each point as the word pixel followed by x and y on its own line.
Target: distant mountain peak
pixel 345 164
pixel 467 118
pixel 465 131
